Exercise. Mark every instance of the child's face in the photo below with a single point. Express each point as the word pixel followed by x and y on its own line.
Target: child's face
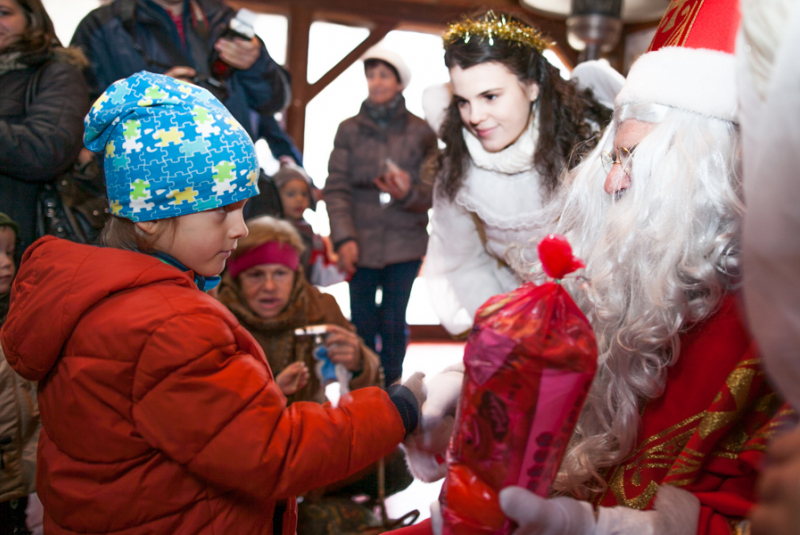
pixel 8 239
pixel 204 241
pixel 294 197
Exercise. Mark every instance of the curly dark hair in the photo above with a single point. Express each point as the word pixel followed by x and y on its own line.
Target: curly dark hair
pixel 568 116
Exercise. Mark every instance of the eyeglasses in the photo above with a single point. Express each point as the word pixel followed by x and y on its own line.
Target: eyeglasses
pixel 621 156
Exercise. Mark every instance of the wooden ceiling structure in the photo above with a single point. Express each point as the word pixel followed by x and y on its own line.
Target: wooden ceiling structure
pixel 380 17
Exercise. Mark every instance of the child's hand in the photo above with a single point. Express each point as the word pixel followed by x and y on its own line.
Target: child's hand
pixel 343 347
pixel 293 378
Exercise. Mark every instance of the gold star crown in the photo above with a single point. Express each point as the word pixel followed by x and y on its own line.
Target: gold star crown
pixel 491 28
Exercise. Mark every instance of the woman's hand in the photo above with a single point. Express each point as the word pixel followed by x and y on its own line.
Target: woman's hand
pixel 348 257
pixel 239 53
pixel 778 511
pixel 293 378
pixel 395 182
pixel 343 347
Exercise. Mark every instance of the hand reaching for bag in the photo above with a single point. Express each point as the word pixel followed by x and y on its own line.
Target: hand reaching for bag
pixel 539 516
pixel 426 449
pixel 675 510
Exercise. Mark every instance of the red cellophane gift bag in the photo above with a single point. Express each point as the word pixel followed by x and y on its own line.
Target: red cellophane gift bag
pixel 530 361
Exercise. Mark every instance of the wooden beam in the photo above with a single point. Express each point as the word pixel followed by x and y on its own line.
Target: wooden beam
pixel 373 38
pixel 300 20
pixel 434 13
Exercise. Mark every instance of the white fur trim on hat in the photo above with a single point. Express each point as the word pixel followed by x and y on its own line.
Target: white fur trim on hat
pixel 693 79
pixel 393 59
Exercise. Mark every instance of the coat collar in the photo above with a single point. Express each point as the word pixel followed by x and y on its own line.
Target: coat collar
pixel 397 122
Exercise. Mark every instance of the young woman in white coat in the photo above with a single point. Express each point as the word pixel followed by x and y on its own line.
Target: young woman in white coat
pixel 509 131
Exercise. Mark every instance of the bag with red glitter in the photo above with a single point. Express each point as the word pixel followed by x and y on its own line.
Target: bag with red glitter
pixel 530 361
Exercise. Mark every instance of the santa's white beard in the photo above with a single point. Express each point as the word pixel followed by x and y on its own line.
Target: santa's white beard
pixel 658 258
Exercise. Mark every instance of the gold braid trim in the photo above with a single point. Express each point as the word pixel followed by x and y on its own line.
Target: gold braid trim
pixel 494 27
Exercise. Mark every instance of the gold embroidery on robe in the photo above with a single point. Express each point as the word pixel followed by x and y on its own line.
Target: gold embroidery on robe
pixel 676 456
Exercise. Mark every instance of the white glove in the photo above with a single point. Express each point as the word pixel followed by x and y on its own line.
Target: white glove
pixel 540 516
pixel 425 450
pixel 444 390
pixel 676 512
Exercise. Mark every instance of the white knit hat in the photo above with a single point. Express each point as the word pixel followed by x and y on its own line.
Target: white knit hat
pixel 393 59
pixel 690 63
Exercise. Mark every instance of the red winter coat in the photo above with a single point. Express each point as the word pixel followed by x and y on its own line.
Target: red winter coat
pixel 159 411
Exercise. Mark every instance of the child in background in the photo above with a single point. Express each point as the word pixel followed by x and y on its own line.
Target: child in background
pixel 19 413
pixel 318 259
pixel 161 414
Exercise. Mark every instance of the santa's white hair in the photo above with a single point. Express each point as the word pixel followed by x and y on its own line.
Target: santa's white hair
pixel 659 258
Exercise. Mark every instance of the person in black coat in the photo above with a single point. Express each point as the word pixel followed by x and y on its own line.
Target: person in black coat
pixel 40 139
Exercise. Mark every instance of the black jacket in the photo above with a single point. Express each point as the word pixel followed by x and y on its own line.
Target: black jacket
pixel 111 34
pixel 39 143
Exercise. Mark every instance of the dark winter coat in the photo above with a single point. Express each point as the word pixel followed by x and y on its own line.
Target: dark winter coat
pixel 159 411
pixel 39 143
pixel 385 235
pixel 106 37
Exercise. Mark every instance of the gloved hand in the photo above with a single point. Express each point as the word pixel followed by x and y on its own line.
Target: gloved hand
pixel 675 512
pixel 444 390
pixel 425 450
pixel 539 516
pixel 416 384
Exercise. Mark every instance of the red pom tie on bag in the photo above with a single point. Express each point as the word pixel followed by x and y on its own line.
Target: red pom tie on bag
pixel 529 363
pixel 555 252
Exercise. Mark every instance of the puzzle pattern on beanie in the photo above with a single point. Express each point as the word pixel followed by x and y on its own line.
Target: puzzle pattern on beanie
pixel 171 148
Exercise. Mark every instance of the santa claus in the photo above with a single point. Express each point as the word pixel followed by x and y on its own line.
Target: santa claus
pixel 673 432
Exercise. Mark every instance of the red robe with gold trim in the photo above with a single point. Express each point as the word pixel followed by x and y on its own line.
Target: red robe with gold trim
pixel 708 431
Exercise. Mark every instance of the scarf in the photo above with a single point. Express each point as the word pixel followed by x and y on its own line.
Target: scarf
pixel 503 188
pixel 382 113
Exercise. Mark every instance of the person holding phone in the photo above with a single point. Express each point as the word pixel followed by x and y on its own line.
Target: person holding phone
pixel 378 206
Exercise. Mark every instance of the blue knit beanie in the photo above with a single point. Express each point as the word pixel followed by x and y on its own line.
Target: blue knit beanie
pixel 171 149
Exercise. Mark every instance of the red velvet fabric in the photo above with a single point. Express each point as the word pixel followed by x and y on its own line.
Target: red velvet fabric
pixel 707 433
pixel 710 24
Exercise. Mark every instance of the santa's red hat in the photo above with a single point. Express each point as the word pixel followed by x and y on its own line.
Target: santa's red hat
pixel 690 63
